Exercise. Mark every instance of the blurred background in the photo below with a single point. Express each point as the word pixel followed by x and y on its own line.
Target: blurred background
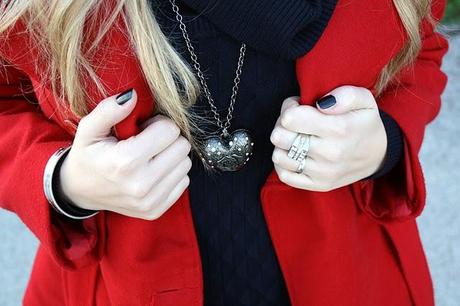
pixel 439 224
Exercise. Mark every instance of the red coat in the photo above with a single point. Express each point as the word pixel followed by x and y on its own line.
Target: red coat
pixel 357 245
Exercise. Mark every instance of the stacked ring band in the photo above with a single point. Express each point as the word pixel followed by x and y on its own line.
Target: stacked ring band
pixel 299 150
pixel 301 166
pixel 294 147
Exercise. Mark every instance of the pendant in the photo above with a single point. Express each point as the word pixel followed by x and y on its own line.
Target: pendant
pixel 228 153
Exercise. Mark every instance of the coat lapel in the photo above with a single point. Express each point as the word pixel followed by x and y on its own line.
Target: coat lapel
pixel 319 237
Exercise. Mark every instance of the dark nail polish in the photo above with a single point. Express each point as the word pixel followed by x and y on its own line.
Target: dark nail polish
pixel 124 96
pixel 326 102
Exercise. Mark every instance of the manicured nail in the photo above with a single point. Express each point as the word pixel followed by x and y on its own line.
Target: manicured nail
pixel 124 96
pixel 326 102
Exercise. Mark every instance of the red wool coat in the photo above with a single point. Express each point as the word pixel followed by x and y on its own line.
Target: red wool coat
pixel 357 245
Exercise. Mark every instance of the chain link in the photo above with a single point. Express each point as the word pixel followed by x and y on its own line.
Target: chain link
pixel 196 65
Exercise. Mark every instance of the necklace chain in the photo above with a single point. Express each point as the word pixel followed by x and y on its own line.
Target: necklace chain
pixel 196 65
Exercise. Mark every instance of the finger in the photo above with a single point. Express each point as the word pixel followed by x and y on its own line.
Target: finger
pixel 293 179
pixel 142 194
pixel 162 163
pixel 155 138
pixel 281 159
pixel 345 99
pixel 283 139
pixel 319 171
pixel 168 183
pixel 308 120
pixel 110 111
pixel 289 102
pixel 151 120
pixel 175 194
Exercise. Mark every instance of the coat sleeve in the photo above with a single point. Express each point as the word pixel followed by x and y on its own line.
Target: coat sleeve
pixel 413 99
pixel 27 140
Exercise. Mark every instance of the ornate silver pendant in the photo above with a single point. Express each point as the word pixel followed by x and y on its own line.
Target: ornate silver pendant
pixel 229 153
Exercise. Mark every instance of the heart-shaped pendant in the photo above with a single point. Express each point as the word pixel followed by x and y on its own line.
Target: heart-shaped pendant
pixel 229 153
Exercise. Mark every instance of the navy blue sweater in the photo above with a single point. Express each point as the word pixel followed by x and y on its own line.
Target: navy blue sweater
pixel 239 263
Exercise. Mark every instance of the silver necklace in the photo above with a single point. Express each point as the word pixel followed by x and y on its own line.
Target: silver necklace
pixel 225 151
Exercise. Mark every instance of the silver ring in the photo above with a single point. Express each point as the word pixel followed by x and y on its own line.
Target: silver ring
pixel 305 148
pixel 301 166
pixel 300 147
pixel 295 146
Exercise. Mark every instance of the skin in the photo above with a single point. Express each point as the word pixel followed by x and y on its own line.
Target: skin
pixel 348 141
pixel 142 178
pixel 136 177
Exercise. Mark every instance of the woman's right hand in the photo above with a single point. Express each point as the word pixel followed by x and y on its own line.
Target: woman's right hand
pixel 140 177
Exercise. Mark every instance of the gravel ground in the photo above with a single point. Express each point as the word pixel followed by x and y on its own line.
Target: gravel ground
pixel 439 225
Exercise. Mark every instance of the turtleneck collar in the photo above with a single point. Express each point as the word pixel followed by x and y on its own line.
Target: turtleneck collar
pixel 284 28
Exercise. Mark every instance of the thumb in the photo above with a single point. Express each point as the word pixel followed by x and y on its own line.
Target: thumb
pixel 345 99
pixel 110 111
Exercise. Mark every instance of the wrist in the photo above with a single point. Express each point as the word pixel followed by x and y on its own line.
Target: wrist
pixel 53 189
pixel 394 146
pixel 64 183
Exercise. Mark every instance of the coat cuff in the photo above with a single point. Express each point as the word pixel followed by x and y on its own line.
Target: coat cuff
pixel 394 146
pixel 72 243
pixel 397 196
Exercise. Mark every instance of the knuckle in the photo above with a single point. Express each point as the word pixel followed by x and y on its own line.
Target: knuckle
pixel 275 136
pixel 276 157
pixel 145 218
pixel 102 107
pixel 290 101
pixel 350 92
pixel 335 154
pixel 167 127
pixel 171 127
pixel 330 173
pixel 340 127
pixel 155 201
pixel 287 116
pixel 186 181
pixel 122 164
pixel 101 111
pixel 183 184
pixel 367 93
pixel 83 128
pixel 325 187
pixel 138 190
pixel 287 100
pixel 156 213
pixel 283 176
pixel 145 207
pixel 84 123
pixel 130 203
pixel 153 216
pixel 188 163
pixel 184 145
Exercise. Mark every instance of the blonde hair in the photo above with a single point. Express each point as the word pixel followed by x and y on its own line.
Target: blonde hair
pixel 57 27
pixel 411 12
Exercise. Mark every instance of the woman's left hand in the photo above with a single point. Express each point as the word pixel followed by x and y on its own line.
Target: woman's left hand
pixel 348 140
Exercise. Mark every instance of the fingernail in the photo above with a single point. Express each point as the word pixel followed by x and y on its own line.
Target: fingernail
pixel 124 96
pixel 326 102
